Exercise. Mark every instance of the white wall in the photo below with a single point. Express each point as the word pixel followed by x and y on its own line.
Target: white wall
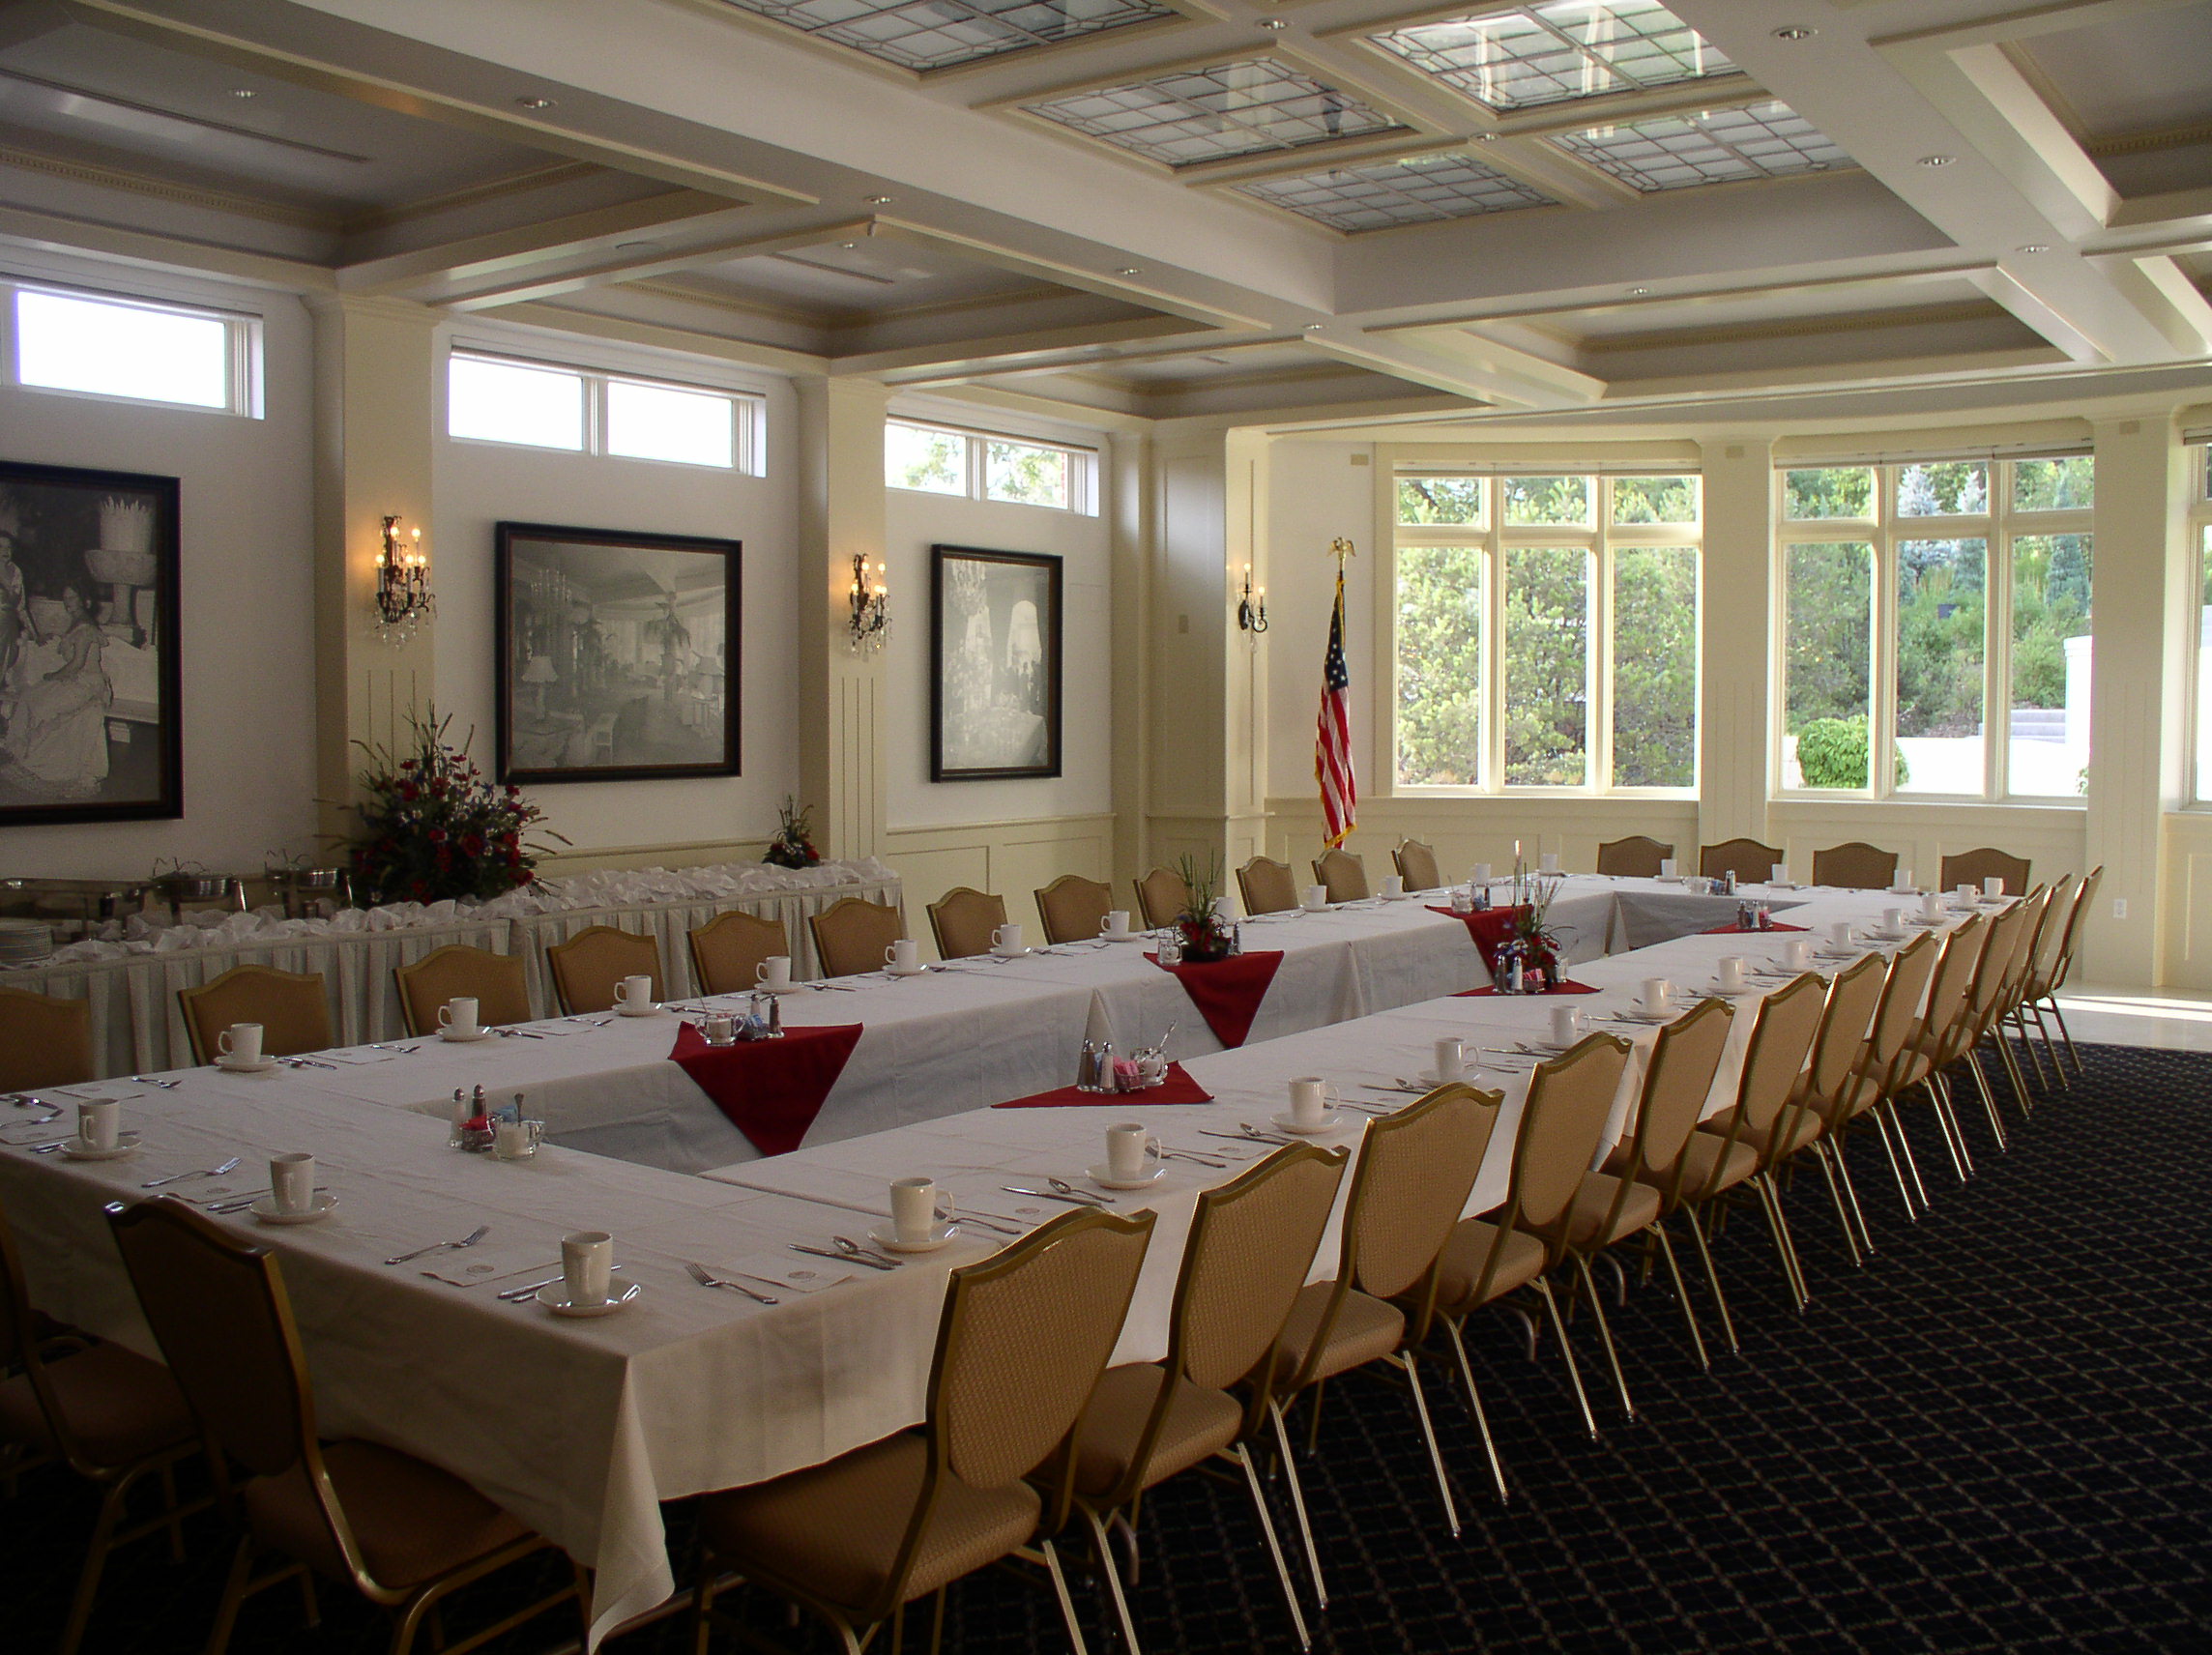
pixel 478 484
pixel 1317 494
pixel 245 608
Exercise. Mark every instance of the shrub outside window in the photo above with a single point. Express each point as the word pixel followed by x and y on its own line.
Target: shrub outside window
pixel 942 460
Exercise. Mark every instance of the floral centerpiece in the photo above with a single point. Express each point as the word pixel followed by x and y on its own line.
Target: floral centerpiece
pixel 1531 942
pixel 1206 935
pixel 435 826
pixel 793 845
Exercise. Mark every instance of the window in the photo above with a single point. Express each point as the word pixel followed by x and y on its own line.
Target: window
pixel 1546 631
pixel 542 405
pixel 938 459
pixel 145 352
pixel 1935 627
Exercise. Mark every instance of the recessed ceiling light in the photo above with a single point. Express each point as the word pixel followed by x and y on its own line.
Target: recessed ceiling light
pixel 2035 246
pixel 1638 292
pixel 536 102
pixel 244 92
pixel 1313 326
pixel 1794 32
pixel 1816 166
pixel 637 246
pixel 847 246
pixel 1130 270
pixel 1274 25
pixel 877 200
pixel 1486 138
pixel 1938 161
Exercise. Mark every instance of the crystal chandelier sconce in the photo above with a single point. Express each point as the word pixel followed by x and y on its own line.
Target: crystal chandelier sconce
pixel 870 598
pixel 403 598
pixel 1252 605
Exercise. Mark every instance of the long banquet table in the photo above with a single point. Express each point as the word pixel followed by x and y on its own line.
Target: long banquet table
pixel 583 1427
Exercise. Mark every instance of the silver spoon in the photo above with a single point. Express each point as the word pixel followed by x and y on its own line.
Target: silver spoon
pixel 1066 1188
pixel 847 1245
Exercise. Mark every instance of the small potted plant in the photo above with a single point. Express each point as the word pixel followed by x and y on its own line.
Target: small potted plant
pixel 1532 943
pixel 793 845
pixel 1206 935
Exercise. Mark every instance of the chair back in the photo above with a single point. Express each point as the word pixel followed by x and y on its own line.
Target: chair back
pixel 1637 857
pixel 45 1041
pixel 1569 1101
pixel 1774 1058
pixel 1266 886
pixel 851 935
pixel 2021 966
pixel 1948 993
pixel 1993 969
pixel 1855 866
pixel 1910 970
pixel 1344 873
pixel 499 983
pixel 1161 895
pixel 1410 1185
pixel 1252 1241
pixel 1417 865
pixel 2071 940
pixel 2050 937
pixel 1023 1337
pixel 963 920
pixel 1072 908
pixel 1676 1083
pixel 1843 1027
pixel 1747 858
pixel 1971 867
pixel 726 953
pixel 291 1007
pixel 589 968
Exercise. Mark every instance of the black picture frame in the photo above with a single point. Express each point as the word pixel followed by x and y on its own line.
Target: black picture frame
pixel 994 719
pixel 97 735
pixel 592 683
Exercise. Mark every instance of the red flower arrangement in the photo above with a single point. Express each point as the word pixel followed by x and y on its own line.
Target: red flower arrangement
pixel 434 825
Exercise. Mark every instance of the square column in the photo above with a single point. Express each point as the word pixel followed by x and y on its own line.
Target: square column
pixel 1734 591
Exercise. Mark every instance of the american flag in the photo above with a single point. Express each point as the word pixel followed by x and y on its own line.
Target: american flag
pixel 1332 740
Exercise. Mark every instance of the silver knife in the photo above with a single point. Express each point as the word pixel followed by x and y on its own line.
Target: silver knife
pixel 1052 1195
pixel 841 1258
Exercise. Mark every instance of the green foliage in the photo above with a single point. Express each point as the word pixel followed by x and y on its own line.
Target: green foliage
pixel 1832 752
pixel 1943 489
pixel 1655 499
pixel 916 457
pixel 1025 474
pixel 1838 491
pixel 1452 500
pixel 2051 575
pixel 1558 501
pixel 1440 666
pixel 1547 665
pixel 2067 484
pixel 1655 666
pixel 1826 649
pixel 1940 610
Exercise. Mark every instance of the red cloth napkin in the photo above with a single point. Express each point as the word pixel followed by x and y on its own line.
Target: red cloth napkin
pixel 1746 930
pixel 1489 928
pixel 1178 1088
pixel 1227 991
pixel 771 1090
pixel 1565 985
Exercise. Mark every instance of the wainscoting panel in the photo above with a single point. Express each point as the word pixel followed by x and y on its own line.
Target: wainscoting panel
pixel 2050 836
pixel 2187 881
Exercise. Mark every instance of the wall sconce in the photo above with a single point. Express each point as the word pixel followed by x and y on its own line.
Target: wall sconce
pixel 402 581
pixel 1251 607
pixel 871 620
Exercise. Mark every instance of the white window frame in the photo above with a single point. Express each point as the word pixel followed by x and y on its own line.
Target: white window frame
pixel 241 338
pixel 1997 528
pixel 2200 563
pixel 1602 539
pixel 1082 466
pixel 749 410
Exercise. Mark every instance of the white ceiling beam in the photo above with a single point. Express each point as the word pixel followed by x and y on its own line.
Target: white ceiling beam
pixel 645 265
pixel 55 232
pixel 429 272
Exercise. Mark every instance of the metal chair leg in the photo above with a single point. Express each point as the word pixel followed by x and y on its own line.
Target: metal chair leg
pixel 1851 1196
pixel 2065 1034
pixel 1895 1167
pixel 1713 1280
pixel 2050 1046
pixel 1682 1295
pixel 1242 1455
pixel 1961 1159
pixel 234 1590
pixel 1605 1337
pixel 1474 1407
pixel 1067 1603
pixel 1298 1502
pixel 1888 1107
pixel 1566 1352
pixel 1105 1543
pixel 1836 1199
pixel 1989 1098
pixel 1404 1359
pixel 1770 1201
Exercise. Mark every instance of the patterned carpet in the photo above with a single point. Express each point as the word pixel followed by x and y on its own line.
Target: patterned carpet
pixel 1994 1436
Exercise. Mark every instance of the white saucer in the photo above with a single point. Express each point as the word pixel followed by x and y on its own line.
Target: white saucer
pixel 1329 1122
pixel 265 1209
pixel 232 1067
pixel 886 1237
pixel 1130 937
pixel 1011 953
pixel 1104 1178
pixel 1636 1014
pixel 786 988
pixel 77 1149
pixel 554 1296
pixel 901 971
pixel 655 1010
pixel 472 1035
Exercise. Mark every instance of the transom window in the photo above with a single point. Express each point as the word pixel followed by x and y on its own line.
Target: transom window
pixel 1546 631
pixel 543 405
pixel 1712 146
pixel 1186 116
pixel 137 350
pixel 1935 619
pixel 944 459
pixel 1552 54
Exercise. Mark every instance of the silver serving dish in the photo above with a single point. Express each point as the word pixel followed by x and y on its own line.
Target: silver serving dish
pixel 198 890
pixel 312 893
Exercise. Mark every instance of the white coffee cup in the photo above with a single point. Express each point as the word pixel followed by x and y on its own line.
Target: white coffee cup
pixel 918 1208
pixel 1840 934
pixel 1315 898
pixel 1657 995
pixel 775 972
pixel 1548 864
pixel 587 1262
pixel 459 1014
pixel 1452 1059
pixel 1007 938
pixel 1481 874
pixel 1566 1025
pixel 1309 1100
pixel 637 993
pixel 516 1140
pixel 1893 920
pixel 903 955
pixel 241 1043
pixel 1128 1147
pixel 1965 896
pixel 292 1182
pixel 1728 970
pixel 1798 954
pixel 719 1028
pixel 100 1123
pixel 1778 874
pixel 1394 884
pixel 1902 883
pixel 1930 905
pixel 1994 886
pixel 1666 867
pixel 1116 924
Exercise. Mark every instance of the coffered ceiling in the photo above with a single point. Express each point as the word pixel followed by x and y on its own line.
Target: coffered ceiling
pixel 1332 209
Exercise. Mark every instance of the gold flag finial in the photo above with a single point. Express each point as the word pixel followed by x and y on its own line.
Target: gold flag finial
pixel 1341 548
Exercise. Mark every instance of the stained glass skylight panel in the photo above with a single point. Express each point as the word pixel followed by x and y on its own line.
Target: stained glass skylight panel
pixel 1761 141
pixel 936 34
pixel 1552 54
pixel 1217 113
pixel 1418 189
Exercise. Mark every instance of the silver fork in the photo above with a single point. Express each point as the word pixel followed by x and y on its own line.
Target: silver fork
pixel 468 1240
pixel 707 1279
pixel 229 1165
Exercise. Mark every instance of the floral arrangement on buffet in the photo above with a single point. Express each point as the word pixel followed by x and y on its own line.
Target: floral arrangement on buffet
pixel 793 845
pixel 1206 935
pixel 435 826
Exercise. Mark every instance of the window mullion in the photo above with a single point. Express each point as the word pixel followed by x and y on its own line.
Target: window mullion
pixel 1597 689
pixel 1494 648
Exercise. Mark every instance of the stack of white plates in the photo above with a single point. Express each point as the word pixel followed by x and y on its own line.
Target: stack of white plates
pixel 22 941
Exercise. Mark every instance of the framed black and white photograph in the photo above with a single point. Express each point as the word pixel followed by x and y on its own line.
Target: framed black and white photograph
pixel 618 655
pixel 994 678
pixel 90 724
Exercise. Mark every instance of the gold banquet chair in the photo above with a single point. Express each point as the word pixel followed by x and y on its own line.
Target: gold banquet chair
pixel 852 935
pixel 2044 986
pixel 1971 867
pixel 727 951
pixel 1855 866
pixel 1074 908
pixel 1829 1090
pixel 1948 1002
pixel 1265 887
pixel 1020 1343
pixel 291 1007
pixel 1344 873
pixel 2043 962
pixel 1251 1242
pixel 1997 985
pixel 45 1040
pixel 397 1529
pixel 499 984
pixel 1638 856
pixel 1161 895
pixel 1751 861
pixel 589 968
pixel 1881 1061
pixel 1417 865
pixel 963 920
